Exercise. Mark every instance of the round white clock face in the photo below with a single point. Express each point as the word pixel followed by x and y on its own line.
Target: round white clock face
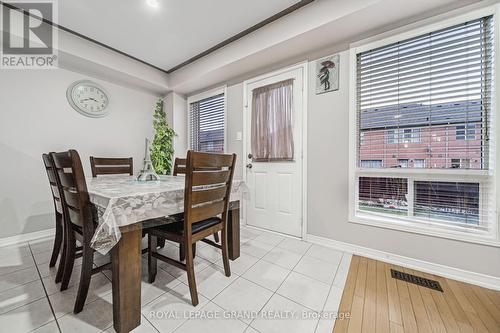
pixel 88 98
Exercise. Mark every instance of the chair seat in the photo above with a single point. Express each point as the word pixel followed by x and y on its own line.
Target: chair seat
pixel 179 217
pixel 178 227
pixel 157 222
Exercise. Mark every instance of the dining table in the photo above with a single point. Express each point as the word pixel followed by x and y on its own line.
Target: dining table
pixel 126 206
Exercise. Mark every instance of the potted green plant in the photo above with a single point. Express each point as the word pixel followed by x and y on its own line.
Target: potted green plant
pixel 162 148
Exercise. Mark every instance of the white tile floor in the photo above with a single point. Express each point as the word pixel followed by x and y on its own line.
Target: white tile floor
pixel 279 284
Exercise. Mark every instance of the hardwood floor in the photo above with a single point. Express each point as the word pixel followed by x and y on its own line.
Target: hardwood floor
pixel 379 303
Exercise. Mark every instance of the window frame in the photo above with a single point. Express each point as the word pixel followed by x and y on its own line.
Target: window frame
pixel 203 95
pixel 483 177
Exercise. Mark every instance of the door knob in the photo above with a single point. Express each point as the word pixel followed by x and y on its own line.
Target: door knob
pixel 249 165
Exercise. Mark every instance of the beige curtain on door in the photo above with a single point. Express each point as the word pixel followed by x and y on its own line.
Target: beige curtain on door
pixel 272 122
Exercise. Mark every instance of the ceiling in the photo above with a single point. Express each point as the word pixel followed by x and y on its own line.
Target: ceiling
pixel 181 29
pixel 318 29
pixel 170 34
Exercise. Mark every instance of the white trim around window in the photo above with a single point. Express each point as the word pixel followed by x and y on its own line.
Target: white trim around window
pixel 410 223
pixel 201 96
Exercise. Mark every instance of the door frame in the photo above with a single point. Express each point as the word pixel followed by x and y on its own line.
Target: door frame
pixel 304 66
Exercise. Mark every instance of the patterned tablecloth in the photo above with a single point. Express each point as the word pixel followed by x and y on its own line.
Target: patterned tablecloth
pixel 122 200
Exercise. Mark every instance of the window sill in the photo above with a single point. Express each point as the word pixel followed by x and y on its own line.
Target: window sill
pixel 470 236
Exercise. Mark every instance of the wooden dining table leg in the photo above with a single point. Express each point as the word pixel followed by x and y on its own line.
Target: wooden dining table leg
pixel 126 266
pixel 233 230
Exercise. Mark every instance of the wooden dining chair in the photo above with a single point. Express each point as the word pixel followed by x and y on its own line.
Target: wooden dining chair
pixel 206 201
pixel 58 210
pixel 80 217
pixel 111 166
pixel 180 168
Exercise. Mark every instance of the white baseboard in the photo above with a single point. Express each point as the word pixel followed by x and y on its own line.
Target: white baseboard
pixel 27 237
pixel 482 280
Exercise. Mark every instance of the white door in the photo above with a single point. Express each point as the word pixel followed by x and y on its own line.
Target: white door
pixel 275 201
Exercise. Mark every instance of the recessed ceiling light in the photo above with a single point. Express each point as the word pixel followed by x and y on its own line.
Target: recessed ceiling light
pixel 152 3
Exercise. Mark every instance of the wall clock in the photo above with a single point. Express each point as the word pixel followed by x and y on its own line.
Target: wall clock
pixel 88 98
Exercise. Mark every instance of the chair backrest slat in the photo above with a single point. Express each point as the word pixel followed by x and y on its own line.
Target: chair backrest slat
pixel 181 169
pixel 208 160
pixel 208 186
pixel 54 187
pixel 74 195
pixel 206 211
pixel 66 180
pixel 210 177
pixel 179 166
pixel 72 199
pixel 111 166
pixel 206 195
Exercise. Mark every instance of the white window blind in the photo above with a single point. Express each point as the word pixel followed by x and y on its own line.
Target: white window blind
pixel 426 103
pixel 206 124
pixel 416 97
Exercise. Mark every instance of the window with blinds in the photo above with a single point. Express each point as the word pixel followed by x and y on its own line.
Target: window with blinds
pixel 426 103
pixel 206 124
pixel 428 97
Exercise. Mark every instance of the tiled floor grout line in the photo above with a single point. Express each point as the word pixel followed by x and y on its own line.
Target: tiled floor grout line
pixel 292 270
pixel 182 282
pixel 20 285
pixel 212 264
pixel 28 303
pixel 45 291
pixel 150 323
pixel 259 259
pixel 330 290
pixel 286 277
pixel 38 278
pixel 239 276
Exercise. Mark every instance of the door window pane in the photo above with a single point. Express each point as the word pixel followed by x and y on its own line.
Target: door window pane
pixel 272 122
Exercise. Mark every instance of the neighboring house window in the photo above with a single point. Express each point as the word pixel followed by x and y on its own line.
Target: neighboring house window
pixel 466 132
pixel 371 164
pixel 460 163
pixel 403 162
pixel 426 102
pixel 392 136
pixel 403 135
pixel 419 163
pixel 207 121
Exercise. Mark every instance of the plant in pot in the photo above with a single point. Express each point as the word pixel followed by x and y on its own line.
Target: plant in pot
pixel 162 148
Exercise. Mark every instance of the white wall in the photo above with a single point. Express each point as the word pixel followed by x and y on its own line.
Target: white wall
pixel 234 125
pixel 179 112
pixel 176 109
pixel 328 163
pixel 36 118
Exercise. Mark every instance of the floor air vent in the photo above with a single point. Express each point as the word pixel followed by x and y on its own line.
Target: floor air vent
pixel 416 280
